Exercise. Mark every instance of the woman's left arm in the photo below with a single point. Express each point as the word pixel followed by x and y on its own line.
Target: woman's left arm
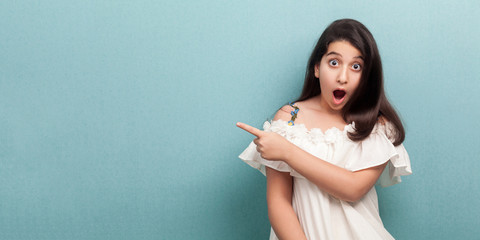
pixel 339 182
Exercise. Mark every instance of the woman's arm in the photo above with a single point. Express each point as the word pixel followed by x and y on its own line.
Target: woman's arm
pixel 337 181
pixel 283 219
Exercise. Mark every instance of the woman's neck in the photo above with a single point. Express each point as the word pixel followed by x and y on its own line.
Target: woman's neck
pixel 319 104
pixel 314 114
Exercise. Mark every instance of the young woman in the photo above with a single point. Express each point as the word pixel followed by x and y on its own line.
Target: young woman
pixel 323 154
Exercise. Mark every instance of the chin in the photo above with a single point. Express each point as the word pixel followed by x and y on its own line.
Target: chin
pixel 337 107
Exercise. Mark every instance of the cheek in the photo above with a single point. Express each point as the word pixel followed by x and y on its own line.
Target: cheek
pixel 327 78
pixel 355 83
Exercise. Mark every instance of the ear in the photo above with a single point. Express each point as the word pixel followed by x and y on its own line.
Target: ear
pixel 316 70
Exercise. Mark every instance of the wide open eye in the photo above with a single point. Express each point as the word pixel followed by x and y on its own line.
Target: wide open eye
pixel 333 62
pixel 356 67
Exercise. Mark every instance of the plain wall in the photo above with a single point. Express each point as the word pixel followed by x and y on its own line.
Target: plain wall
pixel 117 118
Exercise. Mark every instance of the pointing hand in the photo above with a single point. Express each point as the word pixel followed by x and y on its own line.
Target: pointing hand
pixel 270 145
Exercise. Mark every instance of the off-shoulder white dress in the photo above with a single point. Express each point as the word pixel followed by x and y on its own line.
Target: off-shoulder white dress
pixel 321 215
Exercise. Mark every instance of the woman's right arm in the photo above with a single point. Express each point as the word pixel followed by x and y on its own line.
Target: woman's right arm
pixel 283 219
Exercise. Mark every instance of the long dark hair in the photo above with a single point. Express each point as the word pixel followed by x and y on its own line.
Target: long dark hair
pixel 368 102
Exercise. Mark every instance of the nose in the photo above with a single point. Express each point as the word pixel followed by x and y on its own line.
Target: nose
pixel 342 75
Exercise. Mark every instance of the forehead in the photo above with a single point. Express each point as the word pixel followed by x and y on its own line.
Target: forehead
pixel 343 48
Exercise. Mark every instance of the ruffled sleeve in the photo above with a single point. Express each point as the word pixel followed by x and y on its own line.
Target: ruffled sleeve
pixel 376 150
pixel 252 157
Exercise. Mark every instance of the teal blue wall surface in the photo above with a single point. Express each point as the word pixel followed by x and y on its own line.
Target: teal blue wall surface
pixel 117 118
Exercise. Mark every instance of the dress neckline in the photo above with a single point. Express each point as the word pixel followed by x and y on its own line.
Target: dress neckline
pixel 310 130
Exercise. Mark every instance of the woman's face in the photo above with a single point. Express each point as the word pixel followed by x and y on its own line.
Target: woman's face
pixel 339 72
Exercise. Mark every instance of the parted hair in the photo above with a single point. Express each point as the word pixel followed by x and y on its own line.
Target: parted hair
pixel 368 103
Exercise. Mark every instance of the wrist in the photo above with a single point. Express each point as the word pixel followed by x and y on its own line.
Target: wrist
pixel 289 152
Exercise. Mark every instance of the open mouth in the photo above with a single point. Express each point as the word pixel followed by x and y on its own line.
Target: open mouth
pixel 338 96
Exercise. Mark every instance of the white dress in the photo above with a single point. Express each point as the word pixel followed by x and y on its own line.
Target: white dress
pixel 321 215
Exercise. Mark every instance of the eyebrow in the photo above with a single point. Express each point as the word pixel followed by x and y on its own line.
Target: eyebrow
pixel 335 53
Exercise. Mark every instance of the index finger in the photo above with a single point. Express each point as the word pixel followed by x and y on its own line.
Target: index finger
pixel 255 131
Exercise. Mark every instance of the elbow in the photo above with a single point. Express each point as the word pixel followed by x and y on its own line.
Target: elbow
pixel 352 198
pixel 354 189
pixel 353 194
pixel 278 210
pixel 349 197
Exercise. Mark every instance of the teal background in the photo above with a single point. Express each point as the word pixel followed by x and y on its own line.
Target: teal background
pixel 117 118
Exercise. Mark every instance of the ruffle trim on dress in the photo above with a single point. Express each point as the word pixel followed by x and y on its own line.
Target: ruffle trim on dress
pixel 253 158
pixel 299 130
pixel 398 166
pixel 376 150
pixel 373 151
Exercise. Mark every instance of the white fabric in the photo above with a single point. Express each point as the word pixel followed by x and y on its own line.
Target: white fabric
pixel 321 215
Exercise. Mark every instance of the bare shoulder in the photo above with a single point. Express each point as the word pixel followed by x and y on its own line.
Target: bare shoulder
pixel 284 113
pixel 288 111
pixel 382 120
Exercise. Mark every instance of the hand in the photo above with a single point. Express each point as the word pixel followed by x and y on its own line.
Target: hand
pixel 270 145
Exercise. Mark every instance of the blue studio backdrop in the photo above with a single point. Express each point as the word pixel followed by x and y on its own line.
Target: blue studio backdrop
pixel 117 118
